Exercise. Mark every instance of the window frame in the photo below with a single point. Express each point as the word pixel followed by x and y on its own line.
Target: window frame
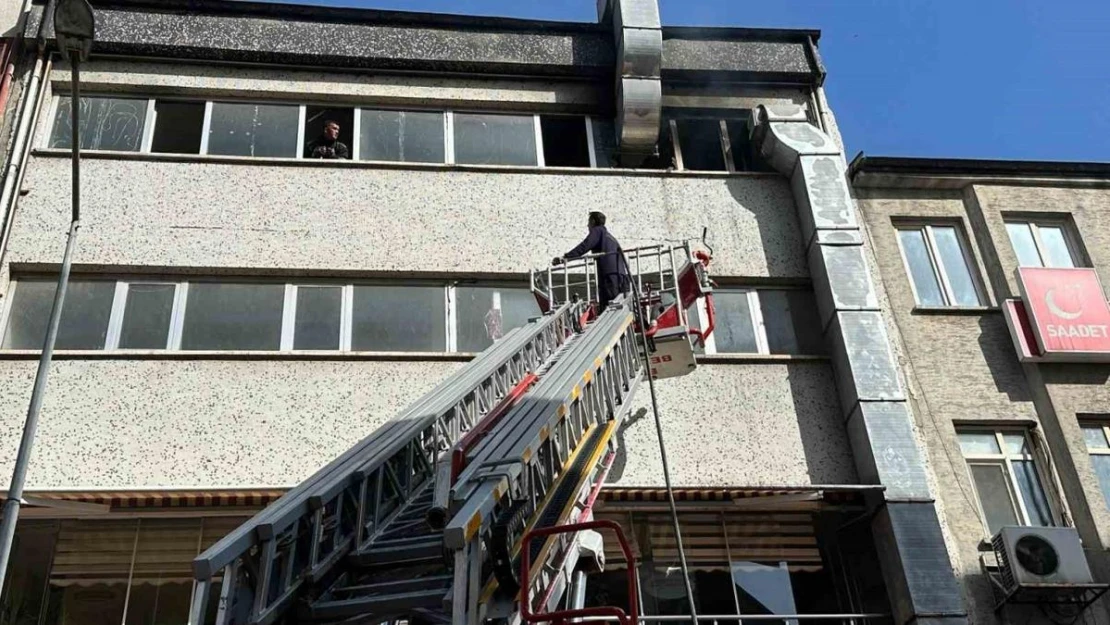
pixel 759 327
pixel 671 118
pixel 1035 223
pixel 1005 460
pixel 940 272
pixel 1104 425
pixel 288 314
pixel 151 118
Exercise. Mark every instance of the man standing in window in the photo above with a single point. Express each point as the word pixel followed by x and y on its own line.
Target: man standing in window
pixel 612 271
pixel 328 144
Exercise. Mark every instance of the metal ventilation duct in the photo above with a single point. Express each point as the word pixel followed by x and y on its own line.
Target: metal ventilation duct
pixel 639 43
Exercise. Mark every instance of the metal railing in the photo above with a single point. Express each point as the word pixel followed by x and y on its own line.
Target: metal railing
pixel 300 538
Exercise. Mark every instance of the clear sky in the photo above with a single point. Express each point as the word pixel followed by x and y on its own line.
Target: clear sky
pixel 1009 79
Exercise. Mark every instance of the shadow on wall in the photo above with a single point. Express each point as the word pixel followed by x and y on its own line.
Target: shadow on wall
pixel 828 455
pixel 998 352
pixel 774 233
pixel 617 470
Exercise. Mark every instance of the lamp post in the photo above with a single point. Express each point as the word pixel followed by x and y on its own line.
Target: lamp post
pixel 74 28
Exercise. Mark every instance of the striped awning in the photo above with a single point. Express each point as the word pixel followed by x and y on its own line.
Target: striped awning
pixel 158 498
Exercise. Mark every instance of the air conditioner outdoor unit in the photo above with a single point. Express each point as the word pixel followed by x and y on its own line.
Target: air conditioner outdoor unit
pixel 1039 556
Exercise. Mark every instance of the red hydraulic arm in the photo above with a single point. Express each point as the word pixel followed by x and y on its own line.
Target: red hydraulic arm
pixel 471 438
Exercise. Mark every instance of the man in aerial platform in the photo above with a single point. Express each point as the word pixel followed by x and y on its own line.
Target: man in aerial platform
pixel 612 270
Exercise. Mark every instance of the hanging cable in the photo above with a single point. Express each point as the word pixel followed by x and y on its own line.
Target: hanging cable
pixel 639 312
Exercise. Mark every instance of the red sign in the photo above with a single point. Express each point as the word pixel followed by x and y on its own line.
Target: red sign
pixel 1067 310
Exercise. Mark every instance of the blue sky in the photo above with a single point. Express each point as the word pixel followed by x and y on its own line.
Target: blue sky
pixel 1011 79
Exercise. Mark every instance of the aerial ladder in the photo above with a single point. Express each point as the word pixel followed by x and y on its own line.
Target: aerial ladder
pixel 474 504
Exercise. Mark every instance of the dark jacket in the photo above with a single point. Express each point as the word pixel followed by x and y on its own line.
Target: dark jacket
pixel 324 147
pixel 599 241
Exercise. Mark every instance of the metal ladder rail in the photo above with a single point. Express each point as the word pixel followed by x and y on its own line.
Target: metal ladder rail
pixel 532 414
pixel 563 408
pixel 272 546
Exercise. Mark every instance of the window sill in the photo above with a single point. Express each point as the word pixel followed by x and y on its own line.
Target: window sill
pixel 955 310
pixel 756 359
pixel 162 354
pixel 300 162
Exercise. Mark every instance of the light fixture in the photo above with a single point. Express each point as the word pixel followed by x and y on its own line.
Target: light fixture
pixel 75 28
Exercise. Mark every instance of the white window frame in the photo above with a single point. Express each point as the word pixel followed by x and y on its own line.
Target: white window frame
pixel 148 122
pixel 1104 425
pixel 289 311
pixel 759 328
pixel 937 266
pixel 1036 223
pixel 206 126
pixel 1005 460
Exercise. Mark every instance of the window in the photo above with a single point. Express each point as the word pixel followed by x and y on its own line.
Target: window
pixel 763 321
pixel 1006 477
pixel 317 318
pixel 1043 244
pixel 485 314
pixel 85 314
pixel 115 124
pixel 939 266
pixel 233 316
pixel 237 129
pixel 565 141
pixel 482 139
pixel 147 316
pixel 405 136
pixel 1097 435
pixel 708 141
pixel 253 129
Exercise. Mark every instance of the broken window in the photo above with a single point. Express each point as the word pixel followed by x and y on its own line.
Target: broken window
pixel 710 141
pixel 106 123
pixel 178 127
pixel 399 319
pixel 403 136
pixel 85 313
pixel 495 139
pixel 565 142
pixel 316 117
pixel 700 143
pixel 485 314
pixel 233 316
pixel 253 129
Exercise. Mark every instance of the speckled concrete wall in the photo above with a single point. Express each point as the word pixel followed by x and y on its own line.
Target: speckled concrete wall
pixel 162 79
pixel 205 423
pixel 326 217
pixel 751 425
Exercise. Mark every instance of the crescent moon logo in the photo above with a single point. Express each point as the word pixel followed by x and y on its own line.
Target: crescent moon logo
pixel 1050 301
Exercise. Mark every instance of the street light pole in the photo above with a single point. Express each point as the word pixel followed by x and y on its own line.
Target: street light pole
pixel 74 27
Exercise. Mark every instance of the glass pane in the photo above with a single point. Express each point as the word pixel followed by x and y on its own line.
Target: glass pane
pixel 978 443
pixel 25 592
pixel 485 314
pixel 146 317
pixel 84 323
pixel 921 268
pixel 952 257
pixel 106 124
pixel 1095 437
pixel 233 316
pixel 495 139
pixel 1055 246
pixel 792 323
pixel 253 129
pixel 1101 464
pixel 700 140
pixel 994 495
pixel 1016 443
pixel 399 319
pixel 735 332
pixel 409 136
pixel 87 604
pixel 605 141
pixel 763 589
pixel 319 310
pixel 159 602
pixel 1032 493
pixel 1021 237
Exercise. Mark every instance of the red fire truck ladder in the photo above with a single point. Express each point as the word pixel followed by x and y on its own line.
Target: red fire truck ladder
pixel 424 520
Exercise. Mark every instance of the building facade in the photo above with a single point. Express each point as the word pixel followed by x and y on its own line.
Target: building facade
pixel 240 313
pixel 1016 434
